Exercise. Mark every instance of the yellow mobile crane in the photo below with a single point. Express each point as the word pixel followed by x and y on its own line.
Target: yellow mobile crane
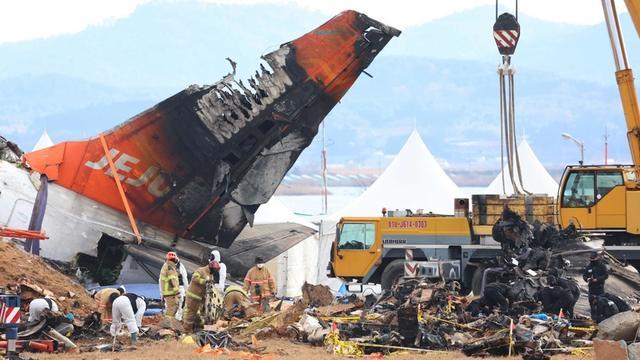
pixel 599 199
pixel 605 199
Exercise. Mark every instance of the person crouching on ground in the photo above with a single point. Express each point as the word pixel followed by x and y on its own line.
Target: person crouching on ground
pixel 127 309
pixel 102 303
pixel 37 308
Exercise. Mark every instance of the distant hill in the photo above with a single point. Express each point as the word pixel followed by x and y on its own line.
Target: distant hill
pixel 169 44
pixel 439 77
pixel 69 108
pixel 163 45
pixel 569 51
pixel 454 105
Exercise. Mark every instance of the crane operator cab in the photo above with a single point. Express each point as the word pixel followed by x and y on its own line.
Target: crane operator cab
pixel 357 247
pixel 601 199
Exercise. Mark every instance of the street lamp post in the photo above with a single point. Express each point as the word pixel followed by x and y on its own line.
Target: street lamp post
pixel 579 143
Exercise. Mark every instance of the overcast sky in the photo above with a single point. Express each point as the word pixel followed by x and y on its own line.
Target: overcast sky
pixel 31 19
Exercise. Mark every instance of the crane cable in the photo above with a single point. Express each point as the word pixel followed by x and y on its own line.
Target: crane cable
pixel 508 144
pixel 513 125
pixel 506 32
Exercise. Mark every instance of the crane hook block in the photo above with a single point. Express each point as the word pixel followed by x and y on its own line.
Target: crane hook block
pixel 506 32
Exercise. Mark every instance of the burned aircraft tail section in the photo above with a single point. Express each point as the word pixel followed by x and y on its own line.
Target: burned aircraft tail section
pixel 199 163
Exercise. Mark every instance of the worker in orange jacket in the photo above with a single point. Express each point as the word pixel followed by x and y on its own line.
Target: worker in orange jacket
pixel 101 298
pixel 260 284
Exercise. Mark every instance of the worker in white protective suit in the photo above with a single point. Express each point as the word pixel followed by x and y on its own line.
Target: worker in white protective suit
pixel 127 309
pixel 184 282
pixel 38 306
pixel 215 256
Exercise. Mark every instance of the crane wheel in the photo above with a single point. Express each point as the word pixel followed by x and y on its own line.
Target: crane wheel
pixel 392 274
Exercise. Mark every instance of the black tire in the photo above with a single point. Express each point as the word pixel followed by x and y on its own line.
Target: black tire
pixel 392 274
pixel 476 281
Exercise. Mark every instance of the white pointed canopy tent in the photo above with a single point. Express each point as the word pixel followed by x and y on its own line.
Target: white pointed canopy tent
pixel 535 177
pixel 414 180
pixel 44 142
pixel 298 264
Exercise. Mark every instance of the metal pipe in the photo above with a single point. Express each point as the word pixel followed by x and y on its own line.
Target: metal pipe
pixel 513 119
pixel 623 49
pixel 68 344
pixel 615 35
pixel 502 126
pixel 577 142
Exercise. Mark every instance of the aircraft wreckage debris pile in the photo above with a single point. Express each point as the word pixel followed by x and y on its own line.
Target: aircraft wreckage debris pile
pixel 415 316
pixel 421 316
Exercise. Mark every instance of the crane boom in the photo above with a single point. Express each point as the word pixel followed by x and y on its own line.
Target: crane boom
pixel 633 6
pixel 624 74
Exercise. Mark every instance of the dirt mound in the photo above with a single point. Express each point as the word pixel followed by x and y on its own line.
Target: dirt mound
pixel 316 295
pixel 37 279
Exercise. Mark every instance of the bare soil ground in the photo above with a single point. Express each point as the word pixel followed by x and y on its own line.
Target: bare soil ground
pixel 17 266
pixel 276 349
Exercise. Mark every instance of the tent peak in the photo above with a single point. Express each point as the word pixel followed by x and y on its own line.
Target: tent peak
pixel 413 180
pixel 43 142
pixel 534 175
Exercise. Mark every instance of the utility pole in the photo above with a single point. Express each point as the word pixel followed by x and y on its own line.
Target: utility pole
pixel 606 146
pixel 323 159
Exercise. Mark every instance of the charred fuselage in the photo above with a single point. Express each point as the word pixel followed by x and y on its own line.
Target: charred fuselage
pixel 199 163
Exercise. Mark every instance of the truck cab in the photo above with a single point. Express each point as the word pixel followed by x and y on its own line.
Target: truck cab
pixel 384 249
pixel 357 247
pixel 601 199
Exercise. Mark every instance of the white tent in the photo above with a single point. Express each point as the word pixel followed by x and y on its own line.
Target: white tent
pixel 44 141
pixel 535 177
pixel 275 212
pixel 414 180
pixel 299 263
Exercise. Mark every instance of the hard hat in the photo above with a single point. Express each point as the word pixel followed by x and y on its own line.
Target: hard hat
pixel 594 256
pixel 214 265
pixel 215 255
pixel 122 289
pixel 171 255
pixel 259 260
